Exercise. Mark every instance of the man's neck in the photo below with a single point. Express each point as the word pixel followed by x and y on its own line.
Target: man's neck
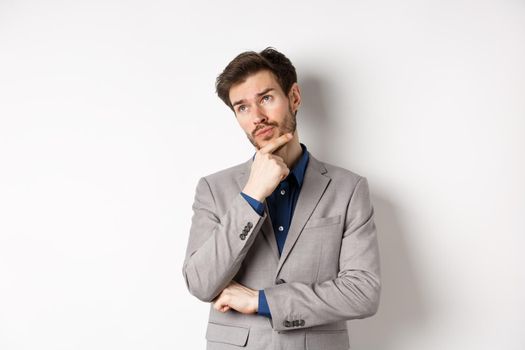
pixel 291 152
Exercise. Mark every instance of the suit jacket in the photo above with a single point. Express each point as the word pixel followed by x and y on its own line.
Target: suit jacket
pixel 327 273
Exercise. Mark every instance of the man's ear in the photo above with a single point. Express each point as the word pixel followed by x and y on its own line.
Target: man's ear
pixel 294 96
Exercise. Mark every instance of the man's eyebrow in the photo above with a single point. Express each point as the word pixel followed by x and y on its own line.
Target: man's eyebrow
pixel 265 91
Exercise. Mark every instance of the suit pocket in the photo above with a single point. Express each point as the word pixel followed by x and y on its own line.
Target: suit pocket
pixel 234 335
pixel 328 339
pixel 318 222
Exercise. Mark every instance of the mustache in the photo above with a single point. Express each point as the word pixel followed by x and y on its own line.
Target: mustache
pixel 262 126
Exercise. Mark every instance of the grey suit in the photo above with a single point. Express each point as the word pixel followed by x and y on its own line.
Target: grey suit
pixel 328 271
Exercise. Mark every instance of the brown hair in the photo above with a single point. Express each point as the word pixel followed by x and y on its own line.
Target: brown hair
pixel 251 62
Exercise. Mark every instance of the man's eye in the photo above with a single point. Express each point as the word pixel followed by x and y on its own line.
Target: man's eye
pixel 267 98
pixel 242 108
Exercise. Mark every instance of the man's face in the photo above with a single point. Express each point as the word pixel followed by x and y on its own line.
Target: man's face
pixel 262 109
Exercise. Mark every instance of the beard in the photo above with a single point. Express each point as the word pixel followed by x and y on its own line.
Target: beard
pixel 288 125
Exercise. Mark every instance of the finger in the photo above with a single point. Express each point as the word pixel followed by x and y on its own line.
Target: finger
pixel 277 158
pixel 219 305
pixel 275 144
pixel 282 164
pixel 285 174
pixel 216 305
pixel 225 308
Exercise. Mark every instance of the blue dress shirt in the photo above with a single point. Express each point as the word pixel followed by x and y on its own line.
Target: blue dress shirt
pixel 281 206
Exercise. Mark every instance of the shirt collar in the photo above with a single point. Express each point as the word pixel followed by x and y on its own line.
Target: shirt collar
pixel 300 168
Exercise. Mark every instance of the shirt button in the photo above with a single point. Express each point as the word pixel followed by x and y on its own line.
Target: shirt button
pixel 281 228
pixel 283 192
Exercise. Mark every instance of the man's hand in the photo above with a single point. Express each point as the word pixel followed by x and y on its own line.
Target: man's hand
pixel 267 170
pixel 237 297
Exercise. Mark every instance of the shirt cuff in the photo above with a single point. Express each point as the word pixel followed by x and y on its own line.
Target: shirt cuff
pixel 264 309
pixel 254 203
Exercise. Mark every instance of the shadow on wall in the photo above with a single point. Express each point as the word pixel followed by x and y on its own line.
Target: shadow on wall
pixel 313 114
pixel 402 307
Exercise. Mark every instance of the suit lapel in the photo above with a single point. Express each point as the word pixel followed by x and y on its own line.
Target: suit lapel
pixel 314 185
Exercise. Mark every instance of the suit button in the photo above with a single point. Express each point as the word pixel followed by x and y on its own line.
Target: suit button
pixel 249 225
pixel 245 229
pixel 301 323
pixel 287 324
pixel 280 281
pixel 242 236
pixel 295 323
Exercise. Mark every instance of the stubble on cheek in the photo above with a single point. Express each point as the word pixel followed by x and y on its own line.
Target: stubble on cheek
pixel 251 137
pixel 253 142
pixel 289 125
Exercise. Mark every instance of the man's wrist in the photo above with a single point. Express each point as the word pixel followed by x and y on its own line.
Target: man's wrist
pixel 254 194
pixel 263 308
pixel 254 203
pixel 256 301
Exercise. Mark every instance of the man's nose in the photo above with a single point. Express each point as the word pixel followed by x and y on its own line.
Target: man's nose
pixel 258 115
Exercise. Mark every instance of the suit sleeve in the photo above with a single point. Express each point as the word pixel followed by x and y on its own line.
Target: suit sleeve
pixel 255 204
pixel 217 245
pixel 354 293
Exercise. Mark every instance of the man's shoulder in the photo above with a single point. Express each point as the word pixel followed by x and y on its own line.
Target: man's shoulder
pixel 337 172
pixel 229 173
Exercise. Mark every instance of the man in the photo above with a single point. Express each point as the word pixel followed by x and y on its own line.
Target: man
pixel 283 245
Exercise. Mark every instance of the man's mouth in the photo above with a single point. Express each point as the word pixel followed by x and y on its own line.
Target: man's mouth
pixel 264 130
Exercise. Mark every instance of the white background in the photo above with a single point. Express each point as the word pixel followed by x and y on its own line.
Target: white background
pixel 108 117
